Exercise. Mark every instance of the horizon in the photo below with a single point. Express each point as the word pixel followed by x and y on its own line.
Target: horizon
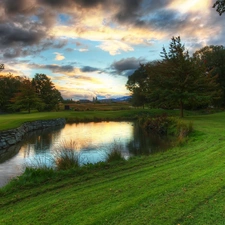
pixel 89 49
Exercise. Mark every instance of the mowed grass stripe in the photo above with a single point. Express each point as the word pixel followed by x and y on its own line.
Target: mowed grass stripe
pixel 184 185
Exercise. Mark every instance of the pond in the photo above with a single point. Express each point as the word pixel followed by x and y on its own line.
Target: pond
pixel 92 141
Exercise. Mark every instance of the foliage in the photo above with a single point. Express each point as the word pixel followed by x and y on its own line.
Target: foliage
pixel 14 88
pixel 27 98
pixel 66 101
pixel 164 125
pixel 213 58
pixel 158 124
pixel 220 6
pixel 177 80
pixel 9 85
pixel 135 84
pixel 47 91
pixel 66 156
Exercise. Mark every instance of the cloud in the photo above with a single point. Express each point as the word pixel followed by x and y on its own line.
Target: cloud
pixel 19 6
pixel 126 66
pixel 87 69
pixel 54 68
pixel 68 70
pixel 10 35
pixel 28 26
pixel 128 10
pixel 115 47
pixel 59 56
pixel 83 50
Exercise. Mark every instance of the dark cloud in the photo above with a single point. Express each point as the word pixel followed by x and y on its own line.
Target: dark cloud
pixel 10 34
pixel 169 20
pixel 89 69
pixel 70 3
pixel 25 24
pixel 135 11
pixel 19 6
pixel 126 66
pixel 12 53
pixel 56 3
pixel 54 68
pixel 92 3
pixel 128 10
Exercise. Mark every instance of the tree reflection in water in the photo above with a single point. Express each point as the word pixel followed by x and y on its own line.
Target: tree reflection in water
pixel 145 143
pixel 93 141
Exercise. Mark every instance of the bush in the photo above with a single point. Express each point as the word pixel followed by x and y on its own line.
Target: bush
pixel 164 125
pixel 158 124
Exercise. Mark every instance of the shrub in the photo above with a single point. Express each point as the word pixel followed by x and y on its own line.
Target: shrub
pixel 164 125
pixel 158 124
pixel 65 156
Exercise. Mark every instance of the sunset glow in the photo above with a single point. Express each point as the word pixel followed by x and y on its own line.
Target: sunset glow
pixel 89 48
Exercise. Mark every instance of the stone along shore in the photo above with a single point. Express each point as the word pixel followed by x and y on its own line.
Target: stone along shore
pixel 13 136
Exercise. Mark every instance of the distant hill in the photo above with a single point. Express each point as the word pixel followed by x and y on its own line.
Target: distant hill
pixel 120 99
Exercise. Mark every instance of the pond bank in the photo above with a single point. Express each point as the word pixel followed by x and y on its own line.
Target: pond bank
pixel 13 136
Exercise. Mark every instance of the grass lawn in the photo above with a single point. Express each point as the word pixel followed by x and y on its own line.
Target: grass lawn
pixel 184 185
pixel 9 121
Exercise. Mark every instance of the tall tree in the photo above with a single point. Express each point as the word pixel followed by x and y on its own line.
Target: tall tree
pixel 220 6
pixel 47 92
pixel 213 58
pixel 136 84
pixel 27 98
pixel 9 85
pixel 179 79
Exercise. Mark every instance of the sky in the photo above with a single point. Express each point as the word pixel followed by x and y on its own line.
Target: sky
pixel 88 48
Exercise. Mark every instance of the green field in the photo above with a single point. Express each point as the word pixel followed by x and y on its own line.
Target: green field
pixel 184 185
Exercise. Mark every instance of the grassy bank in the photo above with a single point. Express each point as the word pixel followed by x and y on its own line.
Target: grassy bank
pixel 9 121
pixel 184 185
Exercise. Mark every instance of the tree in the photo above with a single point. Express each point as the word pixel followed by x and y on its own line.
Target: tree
pixel 178 79
pixel 27 98
pixel 213 58
pixel 9 85
pixel 136 84
pixel 220 6
pixel 46 91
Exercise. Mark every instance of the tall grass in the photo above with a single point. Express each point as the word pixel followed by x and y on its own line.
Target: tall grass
pixel 66 155
pixel 115 153
pixel 184 129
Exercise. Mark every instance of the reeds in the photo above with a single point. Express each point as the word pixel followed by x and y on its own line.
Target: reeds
pixel 115 153
pixel 66 155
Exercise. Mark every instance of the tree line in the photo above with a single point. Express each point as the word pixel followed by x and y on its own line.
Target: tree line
pixel 179 80
pixel 21 93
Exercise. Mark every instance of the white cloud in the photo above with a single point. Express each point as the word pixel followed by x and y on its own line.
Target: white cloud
pixel 59 56
pixel 83 50
pixel 115 47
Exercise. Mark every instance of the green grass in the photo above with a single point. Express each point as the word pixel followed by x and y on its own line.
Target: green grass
pixel 115 153
pixel 184 185
pixel 9 121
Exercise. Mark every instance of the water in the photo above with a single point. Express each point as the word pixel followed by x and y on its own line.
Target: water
pixel 93 141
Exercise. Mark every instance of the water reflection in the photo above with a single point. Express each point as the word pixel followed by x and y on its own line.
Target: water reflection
pixel 93 141
pixel 144 143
